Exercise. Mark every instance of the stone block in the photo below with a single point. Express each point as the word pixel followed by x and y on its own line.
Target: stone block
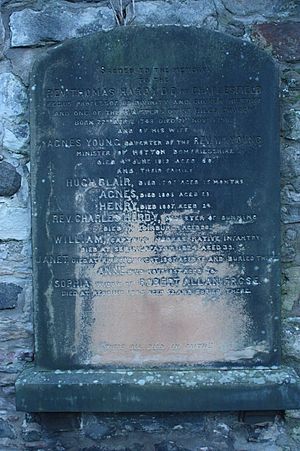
pixel 14 223
pixel 16 137
pixel 210 56
pixel 291 338
pixel 290 213
pixel 97 430
pixel 170 445
pixel 10 179
pixel 13 329
pixel 2 37
pixel 14 130
pixel 290 86
pixel 292 124
pixel 13 100
pixel 282 37
pixel 291 288
pixel 190 12
pixel 31 432
pixel 56 22
pixel 292 414
pixel 187 390
pixel 15 258
pixel 266 8
pixel 234 27
pixel 6 430
pixel 22 60
pixel 290 162
pixel 9 295
pixel 290 195
pixel 290 210
pixel 290 252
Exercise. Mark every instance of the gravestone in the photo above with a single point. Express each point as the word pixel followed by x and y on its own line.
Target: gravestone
pixel 155 198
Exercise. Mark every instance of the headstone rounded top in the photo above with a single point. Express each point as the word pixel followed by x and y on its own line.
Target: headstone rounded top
pixel 155 201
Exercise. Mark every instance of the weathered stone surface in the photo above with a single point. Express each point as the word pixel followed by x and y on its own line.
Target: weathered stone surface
pixel 190 12
pixel 235 28
pixel 291 86
pixel 290 195
pixel 283 38
pixel 213 56
pixel 16 137
pixel 290 213
pixel 291 337
pixel 170 445
pixel 22 60
pixel 291 244
pixel 17 3
pixel 2 31
pixel 57 22
pixel 2 36
pixel 292 414
pixel 146 431
pixel 13 100
pixel 193 432
pixel 97 1
pixel 15 258
pixel 14 130
pixel 9 295
pixel 10 179
pixel 6 430
pixel 21 197
pixel 291 288
pixel 31 432
pixel 292 123
pixel 290 209
pixel 137 391
pixel 14 223
pixel 16 348
pixel 290 163
pixel 265 8
pixel 263 435
pixel 13 328
pixel 97 430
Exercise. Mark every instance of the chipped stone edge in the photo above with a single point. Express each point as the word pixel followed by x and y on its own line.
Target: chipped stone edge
pixel 140 390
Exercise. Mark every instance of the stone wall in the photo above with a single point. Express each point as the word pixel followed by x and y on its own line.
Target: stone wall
pixel 27 29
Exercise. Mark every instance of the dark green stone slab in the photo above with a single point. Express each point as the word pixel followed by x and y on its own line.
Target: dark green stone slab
pixel 155 199
pixel 155 185
pixel 158 391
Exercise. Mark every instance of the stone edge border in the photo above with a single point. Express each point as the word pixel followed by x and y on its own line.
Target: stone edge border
pixel 139 390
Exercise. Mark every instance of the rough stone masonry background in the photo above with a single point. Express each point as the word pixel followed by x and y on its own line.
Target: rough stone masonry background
pixel 27 29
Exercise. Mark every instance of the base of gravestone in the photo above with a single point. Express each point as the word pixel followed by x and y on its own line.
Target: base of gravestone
pixel 138 390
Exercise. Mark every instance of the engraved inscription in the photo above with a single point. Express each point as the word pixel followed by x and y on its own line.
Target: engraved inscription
pixel 155 231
